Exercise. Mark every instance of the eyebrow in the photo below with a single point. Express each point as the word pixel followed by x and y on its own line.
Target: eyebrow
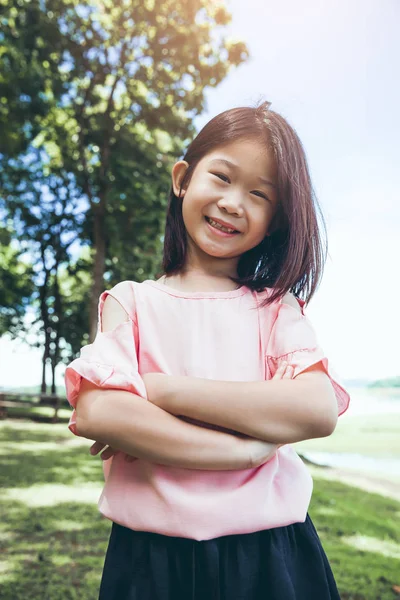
pixel 228 163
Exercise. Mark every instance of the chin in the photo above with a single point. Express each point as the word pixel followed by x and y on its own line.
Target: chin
pixel 219 253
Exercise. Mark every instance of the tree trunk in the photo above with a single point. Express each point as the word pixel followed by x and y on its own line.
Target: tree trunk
pixel 99 266
pixel 45 318
pixel 55 356
pixel 43 387
pixel 53 376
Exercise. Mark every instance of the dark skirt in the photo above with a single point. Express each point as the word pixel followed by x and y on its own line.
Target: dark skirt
pixel 284 563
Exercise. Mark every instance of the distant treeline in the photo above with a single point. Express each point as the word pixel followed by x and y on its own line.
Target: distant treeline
pixel 32 389
pixel 390 382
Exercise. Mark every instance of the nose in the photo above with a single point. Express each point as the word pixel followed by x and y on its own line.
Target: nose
pixel 232 204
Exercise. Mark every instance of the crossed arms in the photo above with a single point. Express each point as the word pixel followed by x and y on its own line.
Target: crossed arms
pixel 257 416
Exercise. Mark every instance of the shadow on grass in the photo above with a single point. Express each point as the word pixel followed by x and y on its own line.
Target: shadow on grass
pixel 26 431
pixel 62 464
pixel 51 553
pixel 67 466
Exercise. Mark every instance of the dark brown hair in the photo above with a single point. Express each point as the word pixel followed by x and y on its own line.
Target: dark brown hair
pixel 292 257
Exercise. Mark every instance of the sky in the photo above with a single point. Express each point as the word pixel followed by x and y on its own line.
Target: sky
pixel 331 69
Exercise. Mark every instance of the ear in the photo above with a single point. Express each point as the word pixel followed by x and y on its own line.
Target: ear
pixel 178 172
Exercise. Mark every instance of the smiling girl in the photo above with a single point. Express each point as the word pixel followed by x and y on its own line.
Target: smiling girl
pixel 197 383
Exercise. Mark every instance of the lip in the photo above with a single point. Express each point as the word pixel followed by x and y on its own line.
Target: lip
pixel 224 224
pixel 219 232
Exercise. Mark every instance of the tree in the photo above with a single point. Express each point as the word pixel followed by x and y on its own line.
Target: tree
pixel 120 84
pixel 16 285
pixel 44 211
pixel 29 54
pixel 75 284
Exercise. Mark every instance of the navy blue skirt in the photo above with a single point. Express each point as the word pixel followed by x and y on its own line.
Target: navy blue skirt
pixel 284 563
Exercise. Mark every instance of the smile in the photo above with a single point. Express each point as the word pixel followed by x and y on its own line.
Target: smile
pixel 217 225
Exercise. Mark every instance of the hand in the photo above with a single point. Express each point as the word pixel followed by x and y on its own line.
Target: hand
pixel 107 452
pixel 284 371
pixel 261 452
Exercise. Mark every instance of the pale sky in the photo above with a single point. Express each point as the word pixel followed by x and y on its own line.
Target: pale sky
pixel 332 70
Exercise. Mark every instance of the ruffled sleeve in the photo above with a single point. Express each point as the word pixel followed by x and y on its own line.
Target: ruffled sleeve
pixel 293 339
pixel 110 362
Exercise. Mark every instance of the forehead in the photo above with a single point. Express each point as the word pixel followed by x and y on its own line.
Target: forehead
pixel 249 157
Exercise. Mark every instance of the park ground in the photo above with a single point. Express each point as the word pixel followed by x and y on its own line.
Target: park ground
pixel 53 540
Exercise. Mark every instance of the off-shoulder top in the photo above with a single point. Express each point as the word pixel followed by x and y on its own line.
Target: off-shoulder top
pixel 225 336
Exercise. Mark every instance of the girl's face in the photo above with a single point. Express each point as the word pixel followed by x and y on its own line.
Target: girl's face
pixel 231 199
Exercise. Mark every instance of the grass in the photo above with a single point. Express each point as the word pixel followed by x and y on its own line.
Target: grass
pixel 52 537
pixel 53 540
pixel 370 435
pixel 360 533
pixel 39 413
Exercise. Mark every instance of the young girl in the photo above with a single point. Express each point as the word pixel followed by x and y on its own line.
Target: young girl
pixel 199 382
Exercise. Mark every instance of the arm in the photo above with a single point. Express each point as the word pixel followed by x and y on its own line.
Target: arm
pixel 140 429
pixel 133 425
pixel 280 411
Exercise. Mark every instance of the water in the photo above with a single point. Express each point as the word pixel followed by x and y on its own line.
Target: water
pixel 355 462
pixel 363 402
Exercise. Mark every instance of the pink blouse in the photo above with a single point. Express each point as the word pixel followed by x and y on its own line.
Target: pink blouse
pixel 215 335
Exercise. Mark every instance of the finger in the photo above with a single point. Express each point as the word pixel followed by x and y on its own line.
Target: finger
pixel 96 448
pixel 108 453
pixel 280 370
pixel 288 372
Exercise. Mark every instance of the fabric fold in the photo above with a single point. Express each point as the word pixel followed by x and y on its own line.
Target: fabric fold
pixel 94 364
pixel 293 339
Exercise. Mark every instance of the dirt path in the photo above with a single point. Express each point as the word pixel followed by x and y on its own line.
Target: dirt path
pixel 382 485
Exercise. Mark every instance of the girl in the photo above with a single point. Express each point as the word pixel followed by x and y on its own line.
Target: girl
pixel 199 382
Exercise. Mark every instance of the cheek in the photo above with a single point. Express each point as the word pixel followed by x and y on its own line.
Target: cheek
pixel 260 222
pixel 194 204
pixel 187 208
pixel 191 212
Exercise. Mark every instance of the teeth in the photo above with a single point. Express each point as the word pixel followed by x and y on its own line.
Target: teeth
pixel 219 226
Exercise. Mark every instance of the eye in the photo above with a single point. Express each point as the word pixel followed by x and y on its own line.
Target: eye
pixel 222 177
pixel 261 195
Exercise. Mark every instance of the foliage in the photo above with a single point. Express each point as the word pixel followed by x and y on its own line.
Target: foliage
pixel 16 286
pixel 75 284
pixel 44 212
pixel 112 100
pixel 96 100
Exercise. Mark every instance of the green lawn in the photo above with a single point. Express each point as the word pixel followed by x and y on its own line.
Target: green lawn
pixel 53 540
pixel 372 435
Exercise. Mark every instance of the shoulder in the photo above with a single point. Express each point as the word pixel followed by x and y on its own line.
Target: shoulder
pixel 290 329
pixel 112 314
pixel 287 299
pixel 117 305
pixel 292 301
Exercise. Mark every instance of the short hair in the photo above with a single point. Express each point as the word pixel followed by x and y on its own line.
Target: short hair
pixel 292 257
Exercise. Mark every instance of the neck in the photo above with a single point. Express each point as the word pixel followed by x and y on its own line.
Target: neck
pixel 205 274
pixel 213 266
pixel 197 281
